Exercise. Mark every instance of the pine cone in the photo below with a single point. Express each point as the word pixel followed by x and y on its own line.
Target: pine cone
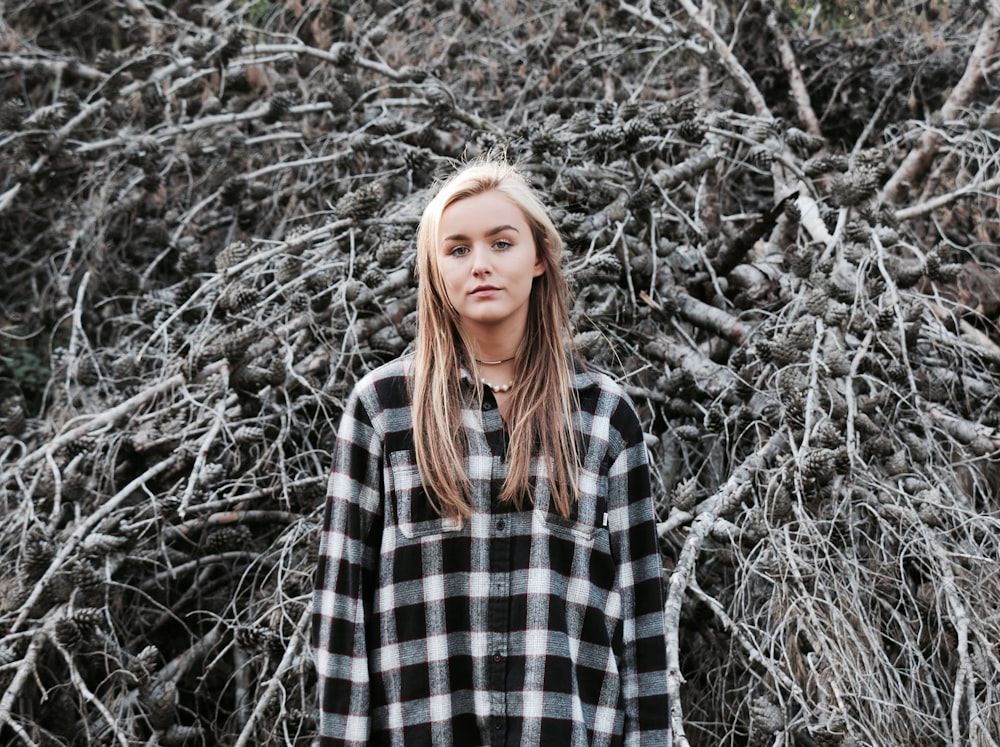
pixel 604 111
pixel 897 373
pixel 12 114
pixel 604 267
pixel 931 512
pixel 235 345
pixel 785 352
pixel 764 350
pixel 885 318
pixel 801 265
pixel 160 700
pixel 917 447
pixel 643 197
pixel 896 464
pixel 636 129
pixel 361 203
pixel 733 500
pixel 779 505
pixel 288 271
pixel 818 465
pixel 544 141
pixel 277 107
pixel 628 110
pixel 836 314
pixel 803 141
pixel 233 189
pixel 857 231
pixel 86 579
pixel 982 446
pixel 252 637
pixel 692 130
pixel 250 378
pixel 589 342
pixel 153 104
pixel 107 60
pixel 390 253
pixel 8 654
pixel 826 738
pixel 945 273
pixel 685 495
pixel 580 122
pixel 715 419
pixel 68 633
pixel 765 716
pixel 14 418
pixel 226 538
pixel 250 434
pixel 878 447
pixel 908 274
pixel 754 526
pixel 86 372
pixel 372 276
pixel 803 334
pixel 606 135
pixel 836 362
pixel 690 433
pixel 344 54
pixel 761 157
pixel 239 297
pixel 231 256
pixel 816 301
pixel 818 166
pixel 178 735
pixel 233 45
pixel 36 555
pixel 142 66
pixel 98 545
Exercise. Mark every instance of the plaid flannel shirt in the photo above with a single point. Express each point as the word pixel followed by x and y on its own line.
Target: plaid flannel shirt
pixel 511 628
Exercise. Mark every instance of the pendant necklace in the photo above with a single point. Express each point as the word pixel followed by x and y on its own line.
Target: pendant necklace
pixel 498 387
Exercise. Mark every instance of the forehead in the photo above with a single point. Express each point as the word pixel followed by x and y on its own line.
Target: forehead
pixel 480 212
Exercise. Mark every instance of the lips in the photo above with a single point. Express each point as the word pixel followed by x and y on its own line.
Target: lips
pixel 484 291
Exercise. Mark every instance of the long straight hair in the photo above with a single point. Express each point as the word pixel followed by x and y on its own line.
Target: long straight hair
pixel 541 405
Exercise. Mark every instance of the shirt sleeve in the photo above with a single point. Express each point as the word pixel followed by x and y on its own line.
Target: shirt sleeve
pixel 343 590
pixel 632 526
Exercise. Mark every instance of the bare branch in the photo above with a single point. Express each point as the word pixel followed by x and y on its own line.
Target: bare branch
pixel 919 159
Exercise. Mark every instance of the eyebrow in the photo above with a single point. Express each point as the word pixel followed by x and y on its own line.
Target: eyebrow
pixel 494 232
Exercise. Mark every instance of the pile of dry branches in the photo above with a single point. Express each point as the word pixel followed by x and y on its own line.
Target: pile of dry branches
pixel 786 253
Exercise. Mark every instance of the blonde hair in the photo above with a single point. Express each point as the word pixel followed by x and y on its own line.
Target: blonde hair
pixel 542 403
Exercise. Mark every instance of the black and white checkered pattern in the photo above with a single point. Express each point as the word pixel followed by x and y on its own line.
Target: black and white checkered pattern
pixel 512 628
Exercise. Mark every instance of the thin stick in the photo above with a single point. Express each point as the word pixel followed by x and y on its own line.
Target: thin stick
pixel 289 659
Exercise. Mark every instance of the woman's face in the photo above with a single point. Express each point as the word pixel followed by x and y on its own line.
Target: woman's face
pixel 487 260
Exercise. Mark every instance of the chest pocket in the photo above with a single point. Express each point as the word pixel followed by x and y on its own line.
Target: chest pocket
pixel 415 516
pixel 588 513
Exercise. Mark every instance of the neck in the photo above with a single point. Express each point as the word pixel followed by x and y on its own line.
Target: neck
pixel 494 345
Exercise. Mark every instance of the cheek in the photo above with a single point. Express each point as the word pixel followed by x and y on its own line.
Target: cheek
pixel 447 284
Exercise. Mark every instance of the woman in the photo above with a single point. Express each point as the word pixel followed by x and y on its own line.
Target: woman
pixel 489 571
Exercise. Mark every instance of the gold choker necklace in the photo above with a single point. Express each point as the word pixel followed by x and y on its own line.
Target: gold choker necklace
pixel 494 363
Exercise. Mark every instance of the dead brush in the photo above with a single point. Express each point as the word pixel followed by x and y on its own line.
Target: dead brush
pixel 209 233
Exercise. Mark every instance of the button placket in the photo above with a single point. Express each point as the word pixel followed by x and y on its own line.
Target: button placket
pixel 499 601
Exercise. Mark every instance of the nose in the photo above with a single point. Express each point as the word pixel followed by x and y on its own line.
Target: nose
pixel 481 266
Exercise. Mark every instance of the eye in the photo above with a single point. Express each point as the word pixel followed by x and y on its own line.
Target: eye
pixel 458 251
pixel 502 244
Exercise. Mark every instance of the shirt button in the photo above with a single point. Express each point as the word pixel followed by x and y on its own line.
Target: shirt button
pixel 497 726
pixel 501 525
pixel 497 656
pixel 487 405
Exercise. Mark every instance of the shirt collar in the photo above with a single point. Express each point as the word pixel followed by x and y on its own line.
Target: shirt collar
pixel 582 379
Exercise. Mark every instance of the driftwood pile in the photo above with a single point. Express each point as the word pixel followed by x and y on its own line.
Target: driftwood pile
pixel 782 239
